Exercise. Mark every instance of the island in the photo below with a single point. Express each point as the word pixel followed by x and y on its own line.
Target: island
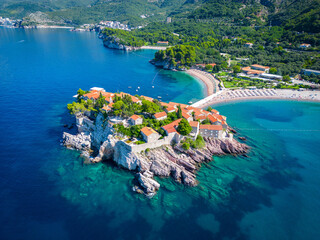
pixel 148 136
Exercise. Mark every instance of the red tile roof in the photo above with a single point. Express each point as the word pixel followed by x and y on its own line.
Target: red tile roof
pixel 259 66
pixel 163 104
pixel 194 123
pixel 92 95
pixel 160 115
pixel 147 131
pixel 214 111
pixel 171 130
pixel 211 127
pixel 135 117
pixel 107 108
pixel 170 109
pixel 213 119
pixel 172 125
pixel 200 117
pixel 147 98
pixel 185 115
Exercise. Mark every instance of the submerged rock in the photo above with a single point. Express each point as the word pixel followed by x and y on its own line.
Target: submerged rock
pixel 149 185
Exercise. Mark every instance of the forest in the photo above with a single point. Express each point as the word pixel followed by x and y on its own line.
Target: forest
pixel 272 46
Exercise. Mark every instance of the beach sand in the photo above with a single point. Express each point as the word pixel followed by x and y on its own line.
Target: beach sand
pixel 225 96
pixel 206 78
pixel 155 47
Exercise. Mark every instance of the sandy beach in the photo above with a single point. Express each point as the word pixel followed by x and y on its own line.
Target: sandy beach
pixel 155 47
pixel 54 27
pixel 210 82
pixel 225 96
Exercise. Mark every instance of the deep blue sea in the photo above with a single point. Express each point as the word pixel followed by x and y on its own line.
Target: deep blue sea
pixel 47 192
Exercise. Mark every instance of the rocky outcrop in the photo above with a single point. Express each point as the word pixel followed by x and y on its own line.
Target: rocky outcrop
pixel 164 161
pixel 81 141
pixel 115 43
pixel 146 183
pixel 165 64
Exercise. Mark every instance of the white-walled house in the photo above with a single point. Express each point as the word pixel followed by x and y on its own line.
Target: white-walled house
pixel 149 135
pixel 160 116
pixel 214 131
pixel 135 120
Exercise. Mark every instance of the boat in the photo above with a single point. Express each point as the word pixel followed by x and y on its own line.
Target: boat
pixel 129 87
pixel 152 86
pixel 189 102
pixel 138 87
pixel 159 97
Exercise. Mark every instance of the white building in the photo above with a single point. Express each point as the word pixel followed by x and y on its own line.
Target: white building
pixel 135 120
pixel 149 135
pixel 214 131
pixel 160 116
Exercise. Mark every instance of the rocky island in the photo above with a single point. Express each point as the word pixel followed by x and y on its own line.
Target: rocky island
pixel 149 137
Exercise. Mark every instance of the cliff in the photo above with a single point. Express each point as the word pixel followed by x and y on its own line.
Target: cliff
pixel 164 161
pixel 165 64
pixel 115 43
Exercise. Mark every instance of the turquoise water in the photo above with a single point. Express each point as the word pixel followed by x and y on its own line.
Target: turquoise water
pixel 47 192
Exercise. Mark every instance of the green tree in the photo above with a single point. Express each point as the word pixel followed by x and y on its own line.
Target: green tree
pixel 184 127
pixel 186 145
pixel 150 107
pixel 236 69
pixel 286 78
pixel 118 105
pixel 208 67
pixel 224 65
pixel 179 112
pixel 101 101
pixel 216 69
pixel 273 70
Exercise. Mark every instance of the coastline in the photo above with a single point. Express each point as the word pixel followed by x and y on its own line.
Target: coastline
pixel 155 47
pixel 226 96
pixel 54 27
pixel 204 78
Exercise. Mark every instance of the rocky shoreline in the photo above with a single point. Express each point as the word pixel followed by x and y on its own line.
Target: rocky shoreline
pixel 164 161
pixel 115 43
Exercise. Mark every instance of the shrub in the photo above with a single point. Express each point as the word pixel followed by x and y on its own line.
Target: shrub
pixel 139 142
pixel 185 146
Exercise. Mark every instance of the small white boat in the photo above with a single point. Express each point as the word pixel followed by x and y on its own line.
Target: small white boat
pixel 152 86
pixel 129 87
pixel 138 87
pixel 190 102
pixel 159 97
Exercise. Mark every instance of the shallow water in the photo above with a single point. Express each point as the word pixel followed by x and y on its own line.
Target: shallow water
pixel 46 192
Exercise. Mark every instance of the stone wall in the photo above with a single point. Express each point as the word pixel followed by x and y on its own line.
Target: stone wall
pixel 142 147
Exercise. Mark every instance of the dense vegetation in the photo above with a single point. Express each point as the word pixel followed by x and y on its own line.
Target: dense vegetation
pixel 123 37
pixel 300 15
pixel 203 29
pixel 196 144
pixel 272 46
pixel 184 55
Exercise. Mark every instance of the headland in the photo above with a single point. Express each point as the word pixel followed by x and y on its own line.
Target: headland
pixel 149 137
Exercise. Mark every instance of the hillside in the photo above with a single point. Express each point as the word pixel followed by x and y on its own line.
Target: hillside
pixel 296 15
pixel 300 15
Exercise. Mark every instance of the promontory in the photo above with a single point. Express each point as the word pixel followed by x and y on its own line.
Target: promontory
pixel 148 136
